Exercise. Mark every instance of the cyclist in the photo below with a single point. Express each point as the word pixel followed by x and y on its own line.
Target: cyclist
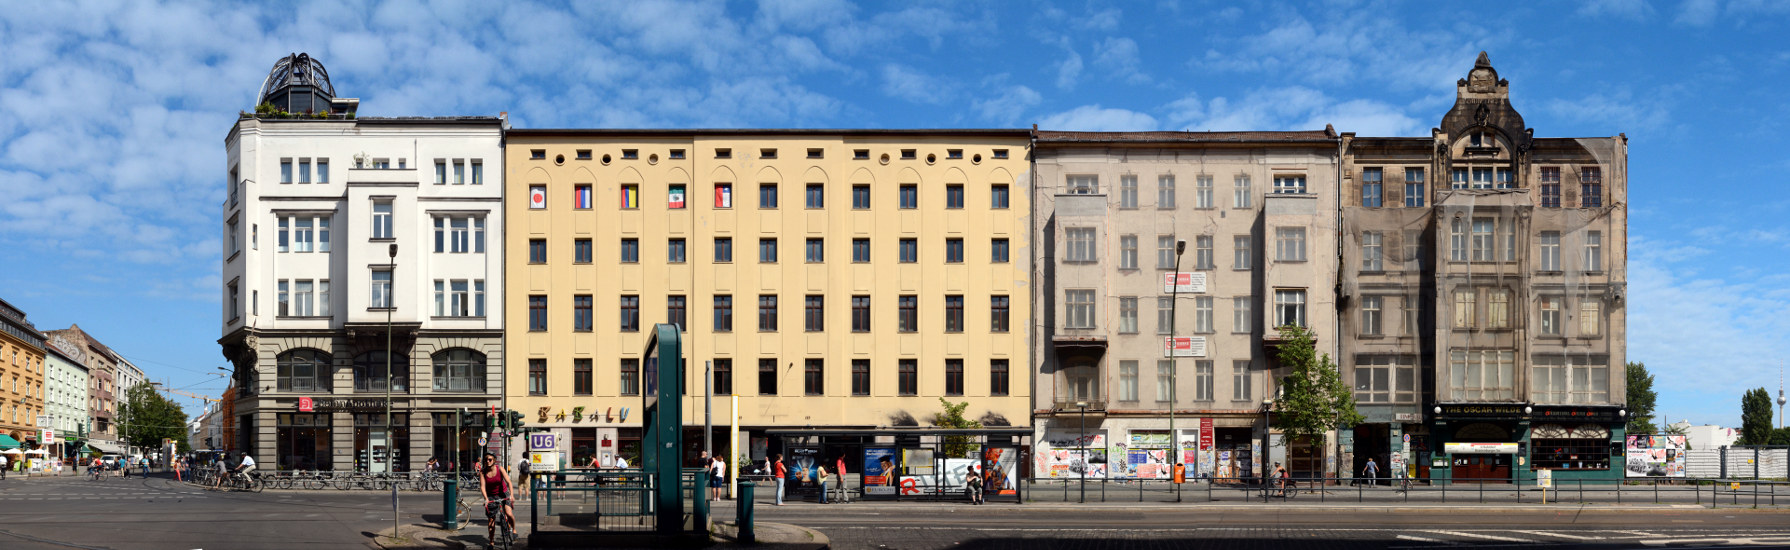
pixel 495 487
pixel 248 465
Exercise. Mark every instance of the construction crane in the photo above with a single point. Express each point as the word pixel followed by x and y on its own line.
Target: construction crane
pixel 207 400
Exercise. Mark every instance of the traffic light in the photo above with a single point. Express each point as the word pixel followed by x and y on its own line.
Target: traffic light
pixel 516 420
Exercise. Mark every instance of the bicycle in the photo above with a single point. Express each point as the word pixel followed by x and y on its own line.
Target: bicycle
pixel 247 482
pixel 96 474
pixel 505 531
pixel 462 513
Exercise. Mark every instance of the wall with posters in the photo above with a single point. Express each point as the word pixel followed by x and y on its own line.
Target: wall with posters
pixel 1071 455
pixel 1656 456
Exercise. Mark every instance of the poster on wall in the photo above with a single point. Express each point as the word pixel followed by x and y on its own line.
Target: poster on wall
pixel 879 471
pixel 1656 455
pixel 1003 469
pixel 1148 464
pixel 1061 455
pixel 804 460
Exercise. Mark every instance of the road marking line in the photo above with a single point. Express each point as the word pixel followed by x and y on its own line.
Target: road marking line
pixel 1561 535
pixel 1476 535
pixel 1423 539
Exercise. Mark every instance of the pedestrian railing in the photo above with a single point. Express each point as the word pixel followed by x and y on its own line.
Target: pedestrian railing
pixel 1520 490
pixel 606 499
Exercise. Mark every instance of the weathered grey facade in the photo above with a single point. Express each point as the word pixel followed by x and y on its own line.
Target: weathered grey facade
pixel 1482 295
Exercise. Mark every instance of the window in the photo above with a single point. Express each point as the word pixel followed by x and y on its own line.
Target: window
pixel 630 377
pixel 998 197
pixel 537 251
pixel 1289 244
pixel 1080 242
pixel 860 377
pixel 459 369
pixel 537 313
pixel 813 377
pixel 452 298
pixel 1202 314
pixel 767 313
pixel 1580 380
pixel 1550 316
pixel 1371 245
pixel 381 290
pixel 954 313
pixel 1415 190
pixel 1128 191
pixel 908 377
pixel 1202 187
pixel 1165 316
pixel 674 250
pixel 235 241
pixel 910 196
pixel 1202 379
pixel 675 306
pixel 1594 258
pixel 907 313
pixel 723 195
pixel 1497 308
pixel 537 376
pixel 1240 252
pixel 581 251
pixel 1289 184
pixel 1079 309
pixel 1482 239
pixel 954 196
pixel 767 377
pixel 1385 379
pixel 1127 380
pixel 954 251
pixel 1289 308
pixel 1591 187
pixel 953 377
pixel 1000 153
pixel 723 250
pixel 910 251
pixel 323 298
pixel 581 313
pixel 459 234
pixel 1508 237
pixel 999 311
pixel 301 370
pixel 1550 187
pixel 1241 320
pixel 478 172
pixel 1481 375
pixel 1240 382
pixel 860 154
pixel 816 196
pixel 1165 191
pixel 1241 196
pixel 998 250
pixel 678 154
pixel 370 371
pixel 630 313
pixel 816 153
pixel 1590 318
pixel 1550 251
pixel 723 313
pixel 382 219
pixel 1371 307
pixel 1463 309
pixel 282 241
pixel 284 300
pixel 1083 184
pixel 1165 252
pixel 537 197
pixel 767 153
pixel 630 250
pixel 767 251
pixel 998 377
pixel 1457 240
pixel 285 170
pixel 815 251
pixel 1203 256
pixel 860 251
pixel 767 195
pixel 860 314
pixel 1128 252
pixel 1371 194
pixel 954 153
pixel 1411 314
pixel 860 197
pixel 581 377
pixel 814 313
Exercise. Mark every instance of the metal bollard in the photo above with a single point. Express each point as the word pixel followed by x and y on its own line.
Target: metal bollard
pixel 743 514
pixel 450 495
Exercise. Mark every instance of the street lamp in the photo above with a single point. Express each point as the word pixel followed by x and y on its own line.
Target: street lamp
pixel 1174 437
pixel 391 304
pixel 1267 441
pixel 1083 443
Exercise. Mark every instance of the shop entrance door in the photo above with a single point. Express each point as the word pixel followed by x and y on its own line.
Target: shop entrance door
pixel 1482 468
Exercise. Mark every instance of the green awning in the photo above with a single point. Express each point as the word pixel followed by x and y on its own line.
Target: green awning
pixel 7 442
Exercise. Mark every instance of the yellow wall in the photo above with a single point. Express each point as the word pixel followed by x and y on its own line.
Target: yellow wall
pixel 700 278
pixel 21 387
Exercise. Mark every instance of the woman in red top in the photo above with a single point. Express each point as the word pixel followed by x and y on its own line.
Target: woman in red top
pixel 495 486
pixel 778 473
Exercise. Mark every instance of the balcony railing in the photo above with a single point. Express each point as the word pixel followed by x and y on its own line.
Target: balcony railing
pixel 1069 404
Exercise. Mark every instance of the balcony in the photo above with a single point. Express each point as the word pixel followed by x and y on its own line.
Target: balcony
pixel 1066 406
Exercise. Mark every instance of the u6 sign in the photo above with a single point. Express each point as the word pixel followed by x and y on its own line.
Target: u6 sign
pixel 543 441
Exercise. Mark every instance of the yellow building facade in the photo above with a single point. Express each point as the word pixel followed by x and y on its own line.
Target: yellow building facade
pixel 21 376
pixel 829 279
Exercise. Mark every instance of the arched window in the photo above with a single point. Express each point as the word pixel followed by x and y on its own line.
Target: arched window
pixel 304 370
pixel 459 369
pixel 369 372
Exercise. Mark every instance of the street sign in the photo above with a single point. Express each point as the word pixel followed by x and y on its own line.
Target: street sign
pixel 1407 438
pixel 543 461
pixel 542 441
pixel 49 435
pixel 305 404
pixel 484 438
pixel 1544 478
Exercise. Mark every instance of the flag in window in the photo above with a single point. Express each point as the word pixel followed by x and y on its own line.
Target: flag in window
pixel 723 196
pixel 537 197
pixel 583 197
pixel 630 196
pixel 676 196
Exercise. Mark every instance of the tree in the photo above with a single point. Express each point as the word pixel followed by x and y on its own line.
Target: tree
pixel 1780 436
pixel 145 418
pixel 1641 400
pixel 1755 417
pixel 1313 399
pixel 956 446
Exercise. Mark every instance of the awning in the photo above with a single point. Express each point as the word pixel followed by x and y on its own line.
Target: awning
pixel 7 442
pixel 106 448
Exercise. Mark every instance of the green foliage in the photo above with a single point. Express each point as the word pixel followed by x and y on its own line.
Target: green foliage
pixel 1313 397
pixel 145 417
pixel 1641 400
pixel 1780 436
pixel 1755 417
pixel 956 446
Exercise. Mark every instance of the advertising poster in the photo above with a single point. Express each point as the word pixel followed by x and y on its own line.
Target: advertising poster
pixel 1149 464
pixel 879 471
pixel 803 460
pixel 1656 455
pixel 1061 455
pixel 1003 470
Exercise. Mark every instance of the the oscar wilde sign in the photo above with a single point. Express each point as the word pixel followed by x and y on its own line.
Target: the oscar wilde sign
pixel 325 404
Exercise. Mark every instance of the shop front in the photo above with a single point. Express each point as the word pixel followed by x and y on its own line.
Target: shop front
pixel 1509 442
pixel 1479 443
pixel 1578 442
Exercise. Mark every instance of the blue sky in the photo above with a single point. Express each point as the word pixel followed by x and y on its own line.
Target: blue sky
pixel 113 115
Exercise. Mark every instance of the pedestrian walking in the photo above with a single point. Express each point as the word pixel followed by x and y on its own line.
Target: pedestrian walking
pixel 4 464
pixel 1371 472
pixel 718 478
pixel 780 473
pixel 839 469
pixel 820 476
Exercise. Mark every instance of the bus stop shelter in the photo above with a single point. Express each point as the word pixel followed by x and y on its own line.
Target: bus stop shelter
pixel 916 463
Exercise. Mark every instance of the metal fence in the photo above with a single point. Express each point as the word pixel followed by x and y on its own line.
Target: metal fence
pixel 604 499
pixel 1389 491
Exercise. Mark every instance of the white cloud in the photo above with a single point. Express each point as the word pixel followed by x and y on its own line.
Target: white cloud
pixel 1068 71
pixel 1354 47
pixel 1632 10
pixel 1008 105
pixel 1118 56
pixel 1698 13
pixel 1290 108
pixel 911 85
pixel 1619 110
pixel 1094 118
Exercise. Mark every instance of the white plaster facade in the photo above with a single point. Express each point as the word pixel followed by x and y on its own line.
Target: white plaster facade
pixel 65 394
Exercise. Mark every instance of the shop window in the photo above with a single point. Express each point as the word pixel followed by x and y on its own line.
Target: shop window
pixel 1561 447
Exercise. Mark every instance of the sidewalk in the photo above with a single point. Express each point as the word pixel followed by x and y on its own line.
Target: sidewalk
pixel 770 535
